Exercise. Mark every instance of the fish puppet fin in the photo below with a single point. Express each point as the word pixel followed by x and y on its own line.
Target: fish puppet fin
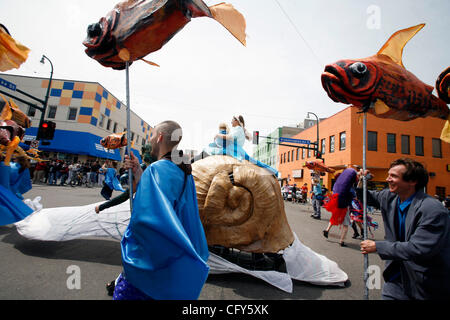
pixel 150 63
pixel 12 53
pixel 393 48
pixel 231 19
pixel 380 107
pixel 445 134
pixel 5 109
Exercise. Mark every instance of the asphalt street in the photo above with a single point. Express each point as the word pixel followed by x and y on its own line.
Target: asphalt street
pixel 44 270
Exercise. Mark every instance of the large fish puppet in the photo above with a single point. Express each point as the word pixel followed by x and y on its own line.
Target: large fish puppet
pixel 318 166
pixel 135 28
pixel 382 86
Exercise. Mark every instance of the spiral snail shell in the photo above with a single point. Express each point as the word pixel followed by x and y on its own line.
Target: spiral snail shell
pixel 240 205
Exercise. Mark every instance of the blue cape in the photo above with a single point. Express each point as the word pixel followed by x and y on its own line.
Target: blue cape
pixel 111 180
pixel 12 209
pixel 19 182
pixel 164 249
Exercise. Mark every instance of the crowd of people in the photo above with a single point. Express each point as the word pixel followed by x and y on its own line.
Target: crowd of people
pixel 60 172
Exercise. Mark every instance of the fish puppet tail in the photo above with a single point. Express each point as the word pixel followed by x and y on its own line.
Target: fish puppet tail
pixel 225 14
pixel 443 90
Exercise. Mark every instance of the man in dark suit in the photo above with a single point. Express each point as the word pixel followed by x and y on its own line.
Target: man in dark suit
pixel 417 240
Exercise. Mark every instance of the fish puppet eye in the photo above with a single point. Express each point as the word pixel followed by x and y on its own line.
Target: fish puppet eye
pixel 358 69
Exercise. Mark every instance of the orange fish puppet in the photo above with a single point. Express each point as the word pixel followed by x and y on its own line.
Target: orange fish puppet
pixel 135 28
pixel 382 86
pixel 318 166
pixel 114 141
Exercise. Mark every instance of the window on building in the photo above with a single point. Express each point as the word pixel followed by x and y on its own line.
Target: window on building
pixel 391 143
pixel 331 144
pixel 372 141
pixel 405 144
pixel 292 155
pixel 115 127
pixel 440 191
pixel 309 153
pixel 72 115
pixel 108 125
pixel 298 154
pixel 303 153
pixel 436 146
pixel 322 148
pixel 342 140
pixel 102 121
pixel 31 111
pixel 51 112
pixel 132 135
pixel 419 146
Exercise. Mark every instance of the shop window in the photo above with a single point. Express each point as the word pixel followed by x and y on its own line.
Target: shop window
pixel 372 140
pixel 436 145
pixel 72 115
pixel 331 144
pixel 419 146
pixel 405 144
pixel 342 140
pixel 391 145
pixel 51 112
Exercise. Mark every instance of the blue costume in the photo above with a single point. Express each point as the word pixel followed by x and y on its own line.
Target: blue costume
pixel 111 183
pixel 12 209
pixel 19 180
pixel 164 249
pixel 235 149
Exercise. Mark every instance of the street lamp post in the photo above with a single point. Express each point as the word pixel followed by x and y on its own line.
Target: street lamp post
pixel 307 116
pixel 47 94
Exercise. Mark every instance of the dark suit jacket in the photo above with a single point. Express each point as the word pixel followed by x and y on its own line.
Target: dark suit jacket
pixel 424 258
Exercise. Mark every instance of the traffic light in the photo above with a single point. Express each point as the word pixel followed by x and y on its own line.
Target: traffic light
pixel 46 131
pixel 255 137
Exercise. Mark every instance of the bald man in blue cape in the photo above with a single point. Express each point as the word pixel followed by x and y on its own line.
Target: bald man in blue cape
pixel 164 249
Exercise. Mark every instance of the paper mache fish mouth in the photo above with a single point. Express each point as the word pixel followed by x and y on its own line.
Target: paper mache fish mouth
pixel 350 81
pixel 331 79
pixel 99 43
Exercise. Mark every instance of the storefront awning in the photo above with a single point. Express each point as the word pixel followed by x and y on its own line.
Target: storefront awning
pixel 75 142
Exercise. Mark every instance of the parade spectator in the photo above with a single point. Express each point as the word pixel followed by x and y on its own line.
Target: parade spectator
pixel 64 173
pixel 51 173
pixel 58 167
pixel 316 199
pixel 416 246
pixel 39 172
pixel 305 193
pixel 294 193
pixel 94 171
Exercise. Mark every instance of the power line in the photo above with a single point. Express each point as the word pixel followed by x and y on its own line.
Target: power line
pixel 299 34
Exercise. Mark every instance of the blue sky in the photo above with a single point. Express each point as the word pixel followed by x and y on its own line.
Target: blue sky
pixel 206 76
